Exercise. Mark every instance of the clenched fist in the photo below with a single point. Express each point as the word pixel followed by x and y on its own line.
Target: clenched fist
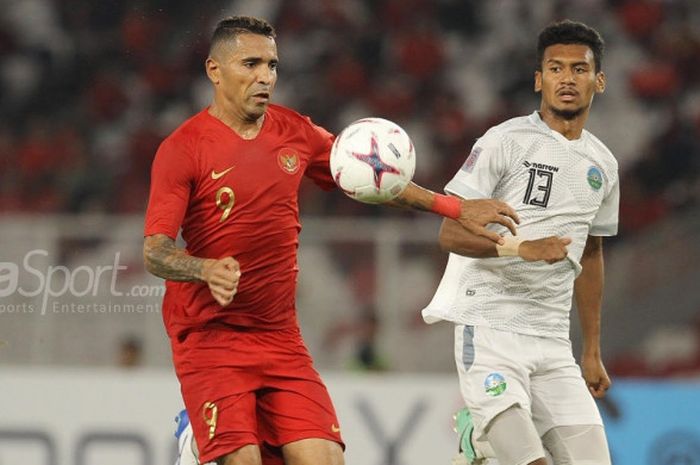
pixel 596 376
pixel 222 277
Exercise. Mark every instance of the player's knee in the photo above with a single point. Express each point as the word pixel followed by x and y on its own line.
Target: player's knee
pixel 578 445
pixel 335 455
pixel 246 455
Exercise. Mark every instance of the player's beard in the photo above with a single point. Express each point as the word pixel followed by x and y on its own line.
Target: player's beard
pixel 568 115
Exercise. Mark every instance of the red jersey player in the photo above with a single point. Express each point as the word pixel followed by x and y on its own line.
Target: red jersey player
pixel 229 177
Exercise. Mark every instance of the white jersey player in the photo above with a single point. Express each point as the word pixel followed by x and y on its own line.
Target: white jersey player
pixel 523 390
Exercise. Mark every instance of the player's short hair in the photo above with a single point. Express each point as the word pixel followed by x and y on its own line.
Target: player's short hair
pixel 570 32
pixel 228 28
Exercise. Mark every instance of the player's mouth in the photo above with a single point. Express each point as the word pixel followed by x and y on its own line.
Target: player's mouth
pixel 262 97
pixel 567 95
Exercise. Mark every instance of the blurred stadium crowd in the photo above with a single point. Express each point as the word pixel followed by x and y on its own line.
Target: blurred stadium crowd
pixel 89 89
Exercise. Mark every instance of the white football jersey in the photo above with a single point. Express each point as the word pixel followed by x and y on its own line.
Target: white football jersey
pixel 559 187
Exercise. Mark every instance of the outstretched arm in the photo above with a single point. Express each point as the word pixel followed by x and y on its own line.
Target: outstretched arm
pixel 456 239
pixel 165 260
pixel 588 292
pixel 473 215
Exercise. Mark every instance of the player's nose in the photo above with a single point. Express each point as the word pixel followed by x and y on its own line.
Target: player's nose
pixel 264 75
pixel 567 75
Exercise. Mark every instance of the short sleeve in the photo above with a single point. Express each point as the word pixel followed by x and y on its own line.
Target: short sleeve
pixel 482 170
pixel 172 177
pixel 605 222
pixel 319 168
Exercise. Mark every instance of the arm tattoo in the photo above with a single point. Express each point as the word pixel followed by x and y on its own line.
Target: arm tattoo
pixel 165 260
pixel 415 198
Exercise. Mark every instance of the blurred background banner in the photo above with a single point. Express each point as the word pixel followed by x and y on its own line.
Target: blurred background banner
pixel 653 422
pixel 74 292
pixel 89 89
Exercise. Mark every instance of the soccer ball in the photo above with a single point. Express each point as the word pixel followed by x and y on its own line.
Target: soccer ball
pixel 373 160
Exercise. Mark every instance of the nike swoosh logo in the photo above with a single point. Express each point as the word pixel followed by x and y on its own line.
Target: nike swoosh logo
pixel 335 429
pixel 215 175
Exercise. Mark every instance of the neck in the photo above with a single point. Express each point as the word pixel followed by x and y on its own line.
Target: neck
pixel 241 124
pixel 569 125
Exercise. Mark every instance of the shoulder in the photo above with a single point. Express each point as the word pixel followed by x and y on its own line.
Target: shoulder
pixel 188 133
pixel 513 128
pixel 285 115
pixel 508 133
pixel 601 151
pixel 516 124
pixel 186 138
pixel 181 147
pixel 287 120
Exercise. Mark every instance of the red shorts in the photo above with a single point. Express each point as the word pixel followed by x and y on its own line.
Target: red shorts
pixel 243 386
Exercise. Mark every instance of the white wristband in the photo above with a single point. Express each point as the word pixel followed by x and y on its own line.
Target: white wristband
pixel 509 248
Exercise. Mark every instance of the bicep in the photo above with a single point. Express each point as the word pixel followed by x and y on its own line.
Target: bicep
pixel 606 220
pixel 594 246
pixel 318 169
pixel 172 179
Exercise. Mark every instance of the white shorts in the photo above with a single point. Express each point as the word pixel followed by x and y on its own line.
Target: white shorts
pixel 499 369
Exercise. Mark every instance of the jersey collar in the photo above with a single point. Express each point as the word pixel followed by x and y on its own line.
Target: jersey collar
pixel 537 121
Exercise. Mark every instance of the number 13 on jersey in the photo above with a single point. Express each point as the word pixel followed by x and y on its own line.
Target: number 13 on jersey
pixel 539 187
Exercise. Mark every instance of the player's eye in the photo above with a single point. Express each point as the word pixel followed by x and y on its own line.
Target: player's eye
pixel 555 69
pixel 274 66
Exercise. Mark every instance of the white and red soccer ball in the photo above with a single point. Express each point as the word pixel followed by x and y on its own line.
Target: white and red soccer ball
pixel 373 160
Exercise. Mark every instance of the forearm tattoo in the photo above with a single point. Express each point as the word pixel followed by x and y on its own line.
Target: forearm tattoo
pixel 413 204
pixel 166 261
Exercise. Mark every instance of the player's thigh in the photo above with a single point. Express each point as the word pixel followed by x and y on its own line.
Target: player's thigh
pixel 493 372
pixel 219 393
pixel 246 455
pixel 560 396
pixel 577 445
pixel 514 439
pixel 294 404
pixel 313 451
pixel 295 410
pixel 224 427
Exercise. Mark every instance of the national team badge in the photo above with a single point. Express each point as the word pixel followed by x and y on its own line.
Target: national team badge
pixel 495 384
pixel 288 161
pixel 595 178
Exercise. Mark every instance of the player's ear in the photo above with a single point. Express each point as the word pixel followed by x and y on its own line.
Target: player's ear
pixel 538 81
pixel 213 70
pixel 600 82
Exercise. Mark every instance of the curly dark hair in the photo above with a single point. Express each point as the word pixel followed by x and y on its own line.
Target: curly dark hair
pixel 570 32
pixel 228 28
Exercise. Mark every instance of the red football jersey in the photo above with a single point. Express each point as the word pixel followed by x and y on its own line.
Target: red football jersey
pixel 236 197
